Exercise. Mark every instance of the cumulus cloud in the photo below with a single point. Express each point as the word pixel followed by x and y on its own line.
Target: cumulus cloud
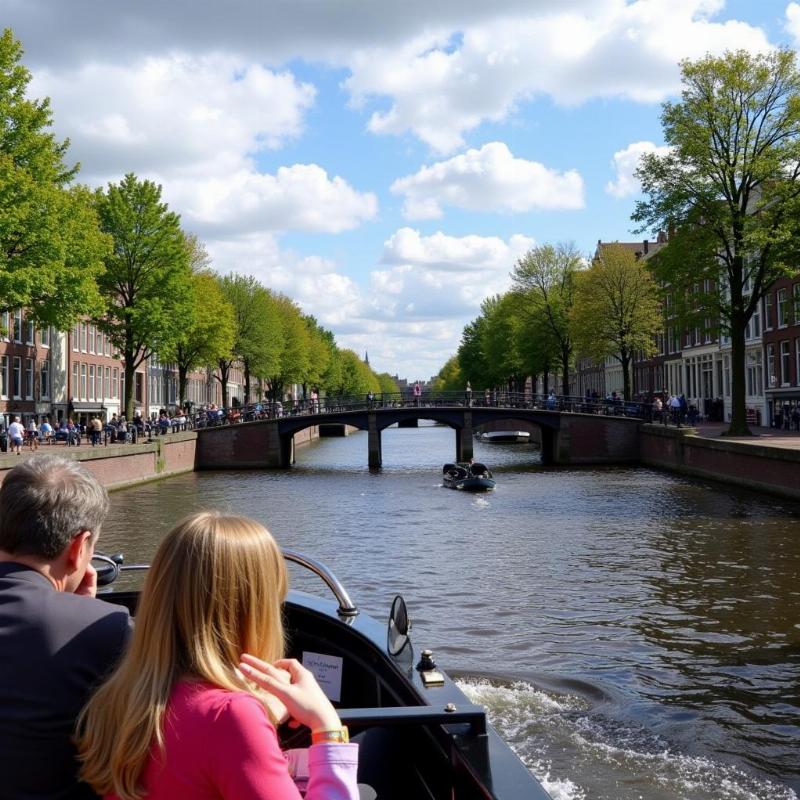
pixel 301 197
pixel 414 304
pixel 176 113
pixel 793 22
pixel 488 179
pixel 439 90
pixel 625 163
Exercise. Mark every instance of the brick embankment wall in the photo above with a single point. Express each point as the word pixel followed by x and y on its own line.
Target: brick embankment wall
pixel 120 465
pixel 752 465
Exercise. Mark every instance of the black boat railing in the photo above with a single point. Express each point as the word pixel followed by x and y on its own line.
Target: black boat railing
pixel 109 567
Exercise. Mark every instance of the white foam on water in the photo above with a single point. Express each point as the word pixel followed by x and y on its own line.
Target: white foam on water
pixel 481 503
pixel 546 729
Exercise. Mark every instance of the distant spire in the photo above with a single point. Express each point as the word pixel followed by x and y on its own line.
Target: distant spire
pixel 366 357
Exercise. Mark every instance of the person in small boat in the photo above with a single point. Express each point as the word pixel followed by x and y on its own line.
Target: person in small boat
pixel 192 709
pixel 57 641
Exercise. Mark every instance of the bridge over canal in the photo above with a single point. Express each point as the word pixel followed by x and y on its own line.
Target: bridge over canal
pixel 572 430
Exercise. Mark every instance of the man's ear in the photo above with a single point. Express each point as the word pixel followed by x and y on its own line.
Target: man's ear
pixel 75 549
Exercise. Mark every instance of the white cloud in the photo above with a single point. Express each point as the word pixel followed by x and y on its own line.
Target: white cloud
pixel 793 22
pixel 178 113
pixel 489 179
pixel 625 163
pixel 438 90
pixel 300 198
pixel 411 312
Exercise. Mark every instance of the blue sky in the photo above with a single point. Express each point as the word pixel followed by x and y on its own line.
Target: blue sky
pixel 383 164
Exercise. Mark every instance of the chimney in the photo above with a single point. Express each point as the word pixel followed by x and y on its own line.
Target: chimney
pixel 646 244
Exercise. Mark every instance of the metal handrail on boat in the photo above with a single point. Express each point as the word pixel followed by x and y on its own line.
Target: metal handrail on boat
pixel 346 606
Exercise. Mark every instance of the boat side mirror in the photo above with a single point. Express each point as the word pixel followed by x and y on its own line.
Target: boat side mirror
pixel 399 626
pixel 107 567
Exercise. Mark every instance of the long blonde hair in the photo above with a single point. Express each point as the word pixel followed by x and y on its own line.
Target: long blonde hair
pixel 214 591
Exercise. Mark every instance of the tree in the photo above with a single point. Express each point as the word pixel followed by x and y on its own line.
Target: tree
pixel 51 248
pixel 449 378
pixel 616 310
pixel 472 359
pixel 545 276
pixel 259 332
pixel 500 343
pixel 209 336
pixel 146 284
pixel 387 384
pixel 730 186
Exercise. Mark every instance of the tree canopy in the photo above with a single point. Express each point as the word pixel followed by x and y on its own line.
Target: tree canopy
pixel 617 310
pixel 51 249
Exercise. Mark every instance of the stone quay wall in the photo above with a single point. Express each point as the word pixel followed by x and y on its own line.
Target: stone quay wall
pixel 749 464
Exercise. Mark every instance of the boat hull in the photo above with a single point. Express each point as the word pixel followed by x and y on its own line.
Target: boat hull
pixel 505 437
pixel 470 484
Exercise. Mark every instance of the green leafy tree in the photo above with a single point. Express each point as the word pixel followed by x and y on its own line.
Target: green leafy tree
pixel 209 334
pixel 730 186
pixel 472 360
pixel 545 277
pixel 292 364
pixel 500 344
pixel 449 377
pixel 387 384
pixel 259 329
pixel 51 247
pixel 616 310
pixel 146 286
pixel 356 377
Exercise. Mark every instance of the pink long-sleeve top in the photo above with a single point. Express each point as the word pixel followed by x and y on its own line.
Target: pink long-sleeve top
pixel 220 745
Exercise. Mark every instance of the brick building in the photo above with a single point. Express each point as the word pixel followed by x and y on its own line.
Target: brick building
pixel 781 337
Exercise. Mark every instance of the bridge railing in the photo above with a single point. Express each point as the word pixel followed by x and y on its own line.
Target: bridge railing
pixel 213 417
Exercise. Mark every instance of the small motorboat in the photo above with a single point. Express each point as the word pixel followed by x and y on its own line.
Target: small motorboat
pixel 505 437
pixel 470 477
pixel 434 743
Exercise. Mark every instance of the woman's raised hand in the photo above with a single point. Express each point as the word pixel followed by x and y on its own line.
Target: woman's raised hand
pixel 302 695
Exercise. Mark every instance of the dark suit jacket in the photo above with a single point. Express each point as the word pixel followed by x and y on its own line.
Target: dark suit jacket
pixel 54 648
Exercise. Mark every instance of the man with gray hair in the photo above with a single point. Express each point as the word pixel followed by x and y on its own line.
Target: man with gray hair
pixel 57 641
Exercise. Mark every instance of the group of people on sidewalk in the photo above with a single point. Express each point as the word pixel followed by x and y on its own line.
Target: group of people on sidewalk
pixel 185 704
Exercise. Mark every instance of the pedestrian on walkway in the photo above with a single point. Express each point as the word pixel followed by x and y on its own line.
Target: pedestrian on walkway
pixel 468 395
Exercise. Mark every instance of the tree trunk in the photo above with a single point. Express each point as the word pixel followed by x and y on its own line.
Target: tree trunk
pixel 182 373
pixel 246 382
pixel 565 354
pixel 130 372
pixel 224 371
pixel 738 426
pixel 625 360
pixel 546 379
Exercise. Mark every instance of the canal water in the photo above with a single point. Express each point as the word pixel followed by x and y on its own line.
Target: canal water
pixel 634 635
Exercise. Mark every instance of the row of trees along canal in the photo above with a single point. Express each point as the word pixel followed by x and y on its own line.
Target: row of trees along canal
pixel 120 257
pixel 728 192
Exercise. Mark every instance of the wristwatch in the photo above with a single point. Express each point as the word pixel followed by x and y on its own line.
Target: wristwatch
pixel 331 736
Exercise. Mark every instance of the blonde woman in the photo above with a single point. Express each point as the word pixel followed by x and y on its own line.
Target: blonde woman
pixel 191 710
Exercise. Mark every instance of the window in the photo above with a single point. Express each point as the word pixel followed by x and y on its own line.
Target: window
pixel 707 331
pixel 786 362
pixel 83 382
pixel 30 332
pixel 44 335
pixel 6 325
pixel 107 392
pixel 772 379
pixel 796 290
pixel 84 332
pixel 4 377
pixel 16 381
pixel 768 312
pixel 91 382
pixel 115 383
pixel 91 338
pixel 75 387
pixel 754 373
pixel 783 308
pixel 44 380
pixel 18 325
pixel 797 361
pixel 76 338
pixel 29 379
